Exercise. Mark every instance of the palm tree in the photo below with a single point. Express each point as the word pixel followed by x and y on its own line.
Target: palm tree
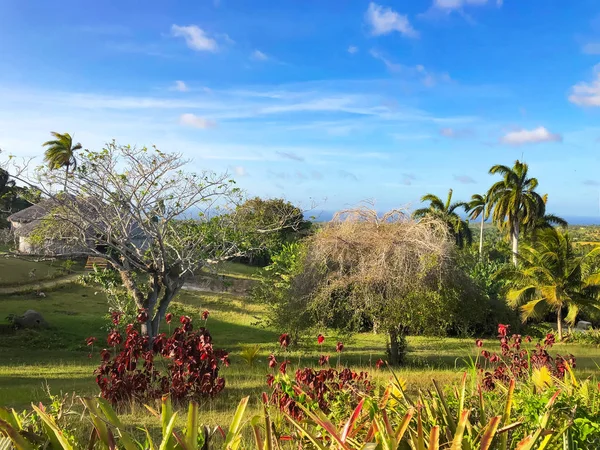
pixel 447 213
pixel 552 277
pixel 549 220
pixel 60 152
pixel 515 203
pixel 478 207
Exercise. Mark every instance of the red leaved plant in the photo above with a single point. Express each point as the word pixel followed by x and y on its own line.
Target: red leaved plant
pixel 515 362
pixel 187 369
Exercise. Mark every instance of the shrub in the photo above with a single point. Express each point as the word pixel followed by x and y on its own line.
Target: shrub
pixel 328 390
pixel 130 373
pixel 516 363
pixel 280 287
pixel 591 336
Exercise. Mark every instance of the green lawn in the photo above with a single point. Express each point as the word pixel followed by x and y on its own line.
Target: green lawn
pixel 16 271
pixel 57 359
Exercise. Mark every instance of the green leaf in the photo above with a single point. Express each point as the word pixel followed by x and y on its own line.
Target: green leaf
pixel 233 437
pixel 168 437
pixel 191 434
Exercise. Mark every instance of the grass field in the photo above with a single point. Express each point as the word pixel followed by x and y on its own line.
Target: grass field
pixel 57 359
pixel 16 271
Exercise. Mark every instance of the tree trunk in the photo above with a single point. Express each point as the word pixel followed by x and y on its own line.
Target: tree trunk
pixel 397 349
pixel 514 237
pixel 481 236
pixel 559 323
pixel 172 286
pixel 66 176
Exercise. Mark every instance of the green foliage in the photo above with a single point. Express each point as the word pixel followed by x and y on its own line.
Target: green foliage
pixel 118 298
pixel 591 336
pixel 60 152
pixel 250 354
pixel 551 277
pixel 280 289
pixel 264 226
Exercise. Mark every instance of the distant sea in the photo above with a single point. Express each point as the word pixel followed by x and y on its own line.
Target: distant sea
pixel 582 220
pixel 324 216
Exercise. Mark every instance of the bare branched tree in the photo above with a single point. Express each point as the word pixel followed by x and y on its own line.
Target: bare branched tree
pixel 155 223
pixel 376 262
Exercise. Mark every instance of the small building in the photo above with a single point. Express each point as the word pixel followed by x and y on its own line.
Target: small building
pixel 28 224
pixel 25 222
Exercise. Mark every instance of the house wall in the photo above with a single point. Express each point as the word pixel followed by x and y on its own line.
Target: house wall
pixel 25 246
pixel 50 248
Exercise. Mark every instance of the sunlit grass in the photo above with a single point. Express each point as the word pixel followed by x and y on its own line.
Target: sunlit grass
pixel 58 357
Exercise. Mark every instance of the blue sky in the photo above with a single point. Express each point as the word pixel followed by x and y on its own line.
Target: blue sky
pixel 336 101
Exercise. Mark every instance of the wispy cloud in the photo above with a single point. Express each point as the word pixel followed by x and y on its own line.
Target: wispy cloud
pixel 591 48
pixel 464 179
pixel 290 155
pixel 450 5
pixel 240 171
pixel 197 122
pixel 384 20
pixel 347 175
pixel 537 135
pixel 454 133
pixel 195 38
pixel 257 55
pixel 587 94
pixel 180 86
pixel 419 72
pixel 352 49
pixel 592 183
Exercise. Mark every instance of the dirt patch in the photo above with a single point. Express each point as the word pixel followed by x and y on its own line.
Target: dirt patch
pixel 220 284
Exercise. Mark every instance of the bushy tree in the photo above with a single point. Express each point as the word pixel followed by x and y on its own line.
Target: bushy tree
pixel 281 286
pixel 266 225
pixel 379 263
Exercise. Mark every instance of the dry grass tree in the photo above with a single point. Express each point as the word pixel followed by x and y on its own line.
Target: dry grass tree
pixel 376 261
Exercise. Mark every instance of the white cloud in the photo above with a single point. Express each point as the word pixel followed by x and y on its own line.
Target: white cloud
pixel 352 49
pixel 385 20
pixel 591 48
pixel 257 55
pixel 195 38
pixel 539 134
pixel 449 5
pixel 197 122
pixel 240 171
pixel 587 94
pixel 454 133
pixel 180 86
pixel 427 78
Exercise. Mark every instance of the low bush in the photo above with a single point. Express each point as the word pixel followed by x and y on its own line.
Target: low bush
pixel 130 373
pixel 591 336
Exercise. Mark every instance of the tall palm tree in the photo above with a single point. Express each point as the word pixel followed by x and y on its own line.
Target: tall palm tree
pixel 478 207
pixel 516 205
pixel 552 277
pixel 60 152
pixel 447 213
